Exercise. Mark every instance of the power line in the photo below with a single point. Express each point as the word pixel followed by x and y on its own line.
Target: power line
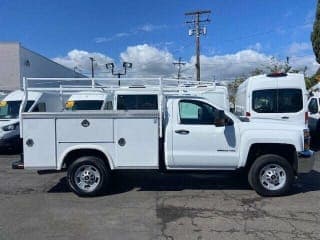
pixel 197 30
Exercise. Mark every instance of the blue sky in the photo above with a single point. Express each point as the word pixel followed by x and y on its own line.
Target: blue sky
pixel 277 28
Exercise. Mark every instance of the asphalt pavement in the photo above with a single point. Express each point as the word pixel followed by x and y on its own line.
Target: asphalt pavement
pixel 151 205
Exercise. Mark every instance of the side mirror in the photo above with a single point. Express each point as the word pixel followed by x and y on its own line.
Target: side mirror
pixel 219 118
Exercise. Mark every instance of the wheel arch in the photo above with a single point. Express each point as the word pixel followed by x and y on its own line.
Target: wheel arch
pixel 73 153
pixel 287 151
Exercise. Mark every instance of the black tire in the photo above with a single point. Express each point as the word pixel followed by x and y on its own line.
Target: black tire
pixel 98 166
pixel 264 161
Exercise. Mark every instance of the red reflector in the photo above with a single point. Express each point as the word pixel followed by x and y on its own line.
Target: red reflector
pixel 248 114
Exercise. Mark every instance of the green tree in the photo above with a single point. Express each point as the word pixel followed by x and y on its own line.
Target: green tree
pixel 315 35
pixel 311 81
pixel 257 71
pixel 233 87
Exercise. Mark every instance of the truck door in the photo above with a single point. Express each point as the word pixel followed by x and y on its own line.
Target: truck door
pixel 198 141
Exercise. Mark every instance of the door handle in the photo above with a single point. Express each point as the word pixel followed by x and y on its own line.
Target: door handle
pixel 182 131
pixel 285 117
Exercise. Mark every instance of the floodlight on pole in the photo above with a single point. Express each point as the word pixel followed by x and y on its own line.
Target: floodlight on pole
pixel 125 65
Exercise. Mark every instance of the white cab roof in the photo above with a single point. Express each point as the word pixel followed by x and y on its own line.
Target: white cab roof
pixel 292 80
pixel 18 96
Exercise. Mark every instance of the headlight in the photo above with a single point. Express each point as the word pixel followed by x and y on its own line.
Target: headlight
pixel 10 127
pixel 69 104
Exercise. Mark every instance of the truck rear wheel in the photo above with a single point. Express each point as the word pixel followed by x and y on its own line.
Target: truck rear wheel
pixel 88 176
pixel 271 175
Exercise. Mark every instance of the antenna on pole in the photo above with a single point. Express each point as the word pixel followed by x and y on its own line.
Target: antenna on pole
pixel 197 30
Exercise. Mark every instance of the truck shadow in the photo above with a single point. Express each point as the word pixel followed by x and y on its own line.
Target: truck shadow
pixel 123 182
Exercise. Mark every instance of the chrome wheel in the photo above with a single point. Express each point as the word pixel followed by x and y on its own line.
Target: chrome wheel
pixel 273 177
pixel 87 178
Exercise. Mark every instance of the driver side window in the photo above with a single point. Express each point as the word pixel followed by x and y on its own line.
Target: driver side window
pixel 196 112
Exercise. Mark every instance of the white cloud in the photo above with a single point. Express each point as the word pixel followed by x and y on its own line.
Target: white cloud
pixel 101 39
pixel 144 28
pixel 150 27
pixel 308 61
pixel 148 60
pixel 80 60
pixel 151 61
pixel 229 66
pixel 297 48
pixel 115 36
pixel 257 47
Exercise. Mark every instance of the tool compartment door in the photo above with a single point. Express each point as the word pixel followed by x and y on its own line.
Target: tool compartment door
pixel 39 143
pixel 84 130
pixel 136 142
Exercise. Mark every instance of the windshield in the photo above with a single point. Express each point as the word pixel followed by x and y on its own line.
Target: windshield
pixel 84 105
pixel 10 109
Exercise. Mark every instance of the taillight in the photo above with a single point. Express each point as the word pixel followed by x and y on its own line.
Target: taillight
pixel 306 116
pixel 248 114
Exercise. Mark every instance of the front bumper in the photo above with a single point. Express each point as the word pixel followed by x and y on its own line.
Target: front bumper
pixel 306 161
pixel 12 142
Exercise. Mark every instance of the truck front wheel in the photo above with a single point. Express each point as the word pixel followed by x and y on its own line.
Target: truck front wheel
pixel 271 175
pixel 88 176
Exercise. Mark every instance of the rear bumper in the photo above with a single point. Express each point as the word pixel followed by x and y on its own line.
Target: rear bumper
pixel 306 161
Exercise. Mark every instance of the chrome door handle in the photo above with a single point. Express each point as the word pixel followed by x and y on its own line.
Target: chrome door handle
pixel 182 131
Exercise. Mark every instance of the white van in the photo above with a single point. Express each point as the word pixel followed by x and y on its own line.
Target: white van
pixel 89 100
pixel 9 114
pixel 276 96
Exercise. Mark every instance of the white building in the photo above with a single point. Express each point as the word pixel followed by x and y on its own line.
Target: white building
pixel 17 62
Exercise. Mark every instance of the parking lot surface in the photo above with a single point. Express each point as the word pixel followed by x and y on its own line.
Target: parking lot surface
pixel 155 206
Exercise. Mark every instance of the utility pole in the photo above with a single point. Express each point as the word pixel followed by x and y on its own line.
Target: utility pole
pixel 92 70
pixel 179 64
pixel 197 30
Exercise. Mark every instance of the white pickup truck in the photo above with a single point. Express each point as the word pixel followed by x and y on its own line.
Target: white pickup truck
pixel 185 133
pixel 196 136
